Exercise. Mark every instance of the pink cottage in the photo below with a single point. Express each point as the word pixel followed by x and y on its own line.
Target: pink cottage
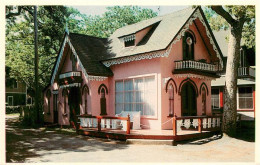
pixel 158 71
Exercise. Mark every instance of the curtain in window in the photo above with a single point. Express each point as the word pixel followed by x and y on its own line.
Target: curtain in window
pixel 215 99
pixel 150 98
pixel 136 95
pixel 245 98
pixel 128 86
pixel 139 98
pixel 119 96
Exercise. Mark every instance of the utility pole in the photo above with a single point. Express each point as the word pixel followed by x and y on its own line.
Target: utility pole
pixel 36 61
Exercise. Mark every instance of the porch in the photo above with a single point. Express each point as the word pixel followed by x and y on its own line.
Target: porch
pixel 184 128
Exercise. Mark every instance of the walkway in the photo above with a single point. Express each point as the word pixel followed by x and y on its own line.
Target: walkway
pixel 64 145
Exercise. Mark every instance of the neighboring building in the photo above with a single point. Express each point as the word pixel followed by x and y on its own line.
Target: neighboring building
pixel 15 92
pixel 158 67
pixel 245 83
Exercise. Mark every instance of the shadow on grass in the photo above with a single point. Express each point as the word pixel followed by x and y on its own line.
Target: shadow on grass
pixel 25 142
pixel 200 141
pixel 246 132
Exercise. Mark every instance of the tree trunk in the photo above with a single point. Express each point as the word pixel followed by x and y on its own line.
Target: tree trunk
pixel 36 61
pixel 230 104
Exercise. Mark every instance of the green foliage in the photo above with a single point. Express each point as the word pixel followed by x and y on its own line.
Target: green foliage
pixel 51 27
pixel 20 42
pixel 237 12
pixel 113 19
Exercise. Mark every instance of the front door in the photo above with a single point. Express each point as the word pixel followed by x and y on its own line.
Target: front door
pixel 74 101
pixel 188 100
pixel 55 109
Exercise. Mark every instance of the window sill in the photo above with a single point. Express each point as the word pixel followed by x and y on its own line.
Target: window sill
pixel 245 110
pixel 149 117
pixel 64 114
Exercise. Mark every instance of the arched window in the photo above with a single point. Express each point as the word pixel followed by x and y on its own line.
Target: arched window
pixel 85 98
pixel 103 102
pixel 171 100
pixel 188 46
pixel 48 95
pixel 102 89
pixel 203 97
pixel 65 98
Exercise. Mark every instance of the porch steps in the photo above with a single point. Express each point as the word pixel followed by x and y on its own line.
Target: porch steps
pixel 150 142
pixel 146 139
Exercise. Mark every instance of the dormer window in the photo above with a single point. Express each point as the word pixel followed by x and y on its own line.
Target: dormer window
pixel 129 43
pixel 129 40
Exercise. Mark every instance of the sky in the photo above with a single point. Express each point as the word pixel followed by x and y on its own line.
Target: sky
pixel 99 10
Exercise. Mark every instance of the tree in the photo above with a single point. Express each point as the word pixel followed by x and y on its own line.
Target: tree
pixel 239 19
pixel 51 28
pixel 20 38
pixel 114 18
pixel 217 23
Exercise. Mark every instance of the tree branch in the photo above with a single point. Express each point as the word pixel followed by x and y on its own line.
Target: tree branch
pixel 14 14
pixel 219 10
pixel 20 8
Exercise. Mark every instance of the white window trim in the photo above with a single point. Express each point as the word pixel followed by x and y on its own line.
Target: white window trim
pixel 238 98
pixel 218 99
pixel 156 92
pixel 12 100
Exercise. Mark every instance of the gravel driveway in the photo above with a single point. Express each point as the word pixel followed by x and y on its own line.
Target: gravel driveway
pixel 63 145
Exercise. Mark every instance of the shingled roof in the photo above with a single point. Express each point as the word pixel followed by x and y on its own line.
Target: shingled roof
pixel 222 39
pixel 168 28
pixel 91 50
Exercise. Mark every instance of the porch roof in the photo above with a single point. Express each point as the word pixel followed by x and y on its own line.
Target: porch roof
pixel 221 82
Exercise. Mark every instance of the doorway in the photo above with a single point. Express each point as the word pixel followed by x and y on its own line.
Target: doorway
pixel 74 100
pixel 55 109
pixel 188 100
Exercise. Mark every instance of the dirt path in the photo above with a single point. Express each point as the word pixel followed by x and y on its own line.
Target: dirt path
pixel 64 145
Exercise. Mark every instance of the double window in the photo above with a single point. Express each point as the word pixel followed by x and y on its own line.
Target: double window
pixel 245 98
pixel 137 94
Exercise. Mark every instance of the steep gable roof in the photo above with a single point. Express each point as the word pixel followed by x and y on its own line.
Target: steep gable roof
pixel 222 39
pixel 91 50
pixel 168 27
pixel 169 30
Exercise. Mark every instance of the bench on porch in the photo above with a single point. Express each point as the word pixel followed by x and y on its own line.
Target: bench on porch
pixel 135 118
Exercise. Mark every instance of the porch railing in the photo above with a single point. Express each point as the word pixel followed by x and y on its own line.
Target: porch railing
pixel 108 122
pixel 189 64
pixel 197 123
pixel 246 71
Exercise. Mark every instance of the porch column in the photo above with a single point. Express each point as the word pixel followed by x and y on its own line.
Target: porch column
pixel 221 98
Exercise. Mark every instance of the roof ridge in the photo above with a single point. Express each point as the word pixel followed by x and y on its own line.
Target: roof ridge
pixel 177 11
pixel 87 35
